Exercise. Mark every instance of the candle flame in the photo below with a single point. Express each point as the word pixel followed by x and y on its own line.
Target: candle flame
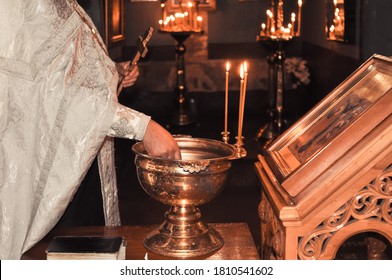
pixel 299 3
pixel 242 71
pixel 190 4
pixel 245 67
pixel 227 66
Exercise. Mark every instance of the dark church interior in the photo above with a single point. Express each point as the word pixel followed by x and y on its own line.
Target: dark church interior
pixel 230 32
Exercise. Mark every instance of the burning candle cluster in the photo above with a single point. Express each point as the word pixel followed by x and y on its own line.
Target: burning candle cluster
pixel 335 28
pixel 186 19
pixel 241 107
pixel 275 27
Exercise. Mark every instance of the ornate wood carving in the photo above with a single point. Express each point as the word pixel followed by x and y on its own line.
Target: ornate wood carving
pixel 272 233
pixel 374 202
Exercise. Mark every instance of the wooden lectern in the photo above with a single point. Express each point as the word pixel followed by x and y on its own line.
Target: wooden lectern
pixel 329 176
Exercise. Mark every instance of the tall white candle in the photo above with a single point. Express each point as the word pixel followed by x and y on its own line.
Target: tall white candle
pixel 244 90
pixel 163 6
pixel 227 95
pixel 240 106
pixel 299 17
pixel 190 14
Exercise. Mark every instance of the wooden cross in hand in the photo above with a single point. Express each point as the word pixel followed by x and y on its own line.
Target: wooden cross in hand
pixel 141 51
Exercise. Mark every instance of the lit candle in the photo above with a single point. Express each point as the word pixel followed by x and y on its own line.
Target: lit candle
pixel 292 23
pixel 244 89
pixel 165 23
pixel 263 29
pixel 190 13
pixel 163 6
pixel 186 20
pixel 279 15
pixel 289 29
pixel 182 20
pixel 199 21
pixel 299 17
pixel 273 22
pixel 172 21
pixel 196 14
pixel 161 23
pixel 245 75
pixel 227 95
pixel 269 16
pixel 179 19
pixel 241 105
pixel 332 32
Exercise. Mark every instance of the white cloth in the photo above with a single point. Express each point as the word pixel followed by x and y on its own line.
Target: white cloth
pixel 58 106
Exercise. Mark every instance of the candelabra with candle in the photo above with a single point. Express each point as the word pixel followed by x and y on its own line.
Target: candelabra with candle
pixel 181 25
pixel 275 34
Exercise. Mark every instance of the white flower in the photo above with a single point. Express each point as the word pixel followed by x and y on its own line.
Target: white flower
pixel 297 71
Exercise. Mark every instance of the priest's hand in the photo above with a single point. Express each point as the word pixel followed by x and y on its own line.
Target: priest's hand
pixel 128 77
pixel 158 142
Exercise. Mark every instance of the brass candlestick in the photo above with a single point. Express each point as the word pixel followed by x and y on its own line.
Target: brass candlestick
pixel 225 136
pixel 275 121
pixel 275 36
pixel 239 147
pixel 184 114
pixel 181 25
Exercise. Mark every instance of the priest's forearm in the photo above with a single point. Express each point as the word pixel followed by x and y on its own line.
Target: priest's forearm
pixel 129 123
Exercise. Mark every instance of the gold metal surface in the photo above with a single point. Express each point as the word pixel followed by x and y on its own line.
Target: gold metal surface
pixel 184 184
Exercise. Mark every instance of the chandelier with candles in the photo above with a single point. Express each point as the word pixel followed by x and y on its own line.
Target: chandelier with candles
pixel 275 26
pixel 185 19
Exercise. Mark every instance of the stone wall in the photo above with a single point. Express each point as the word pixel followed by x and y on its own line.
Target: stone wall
pixel 203 75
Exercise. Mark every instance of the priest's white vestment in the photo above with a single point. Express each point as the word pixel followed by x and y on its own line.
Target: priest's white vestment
pixel 58 111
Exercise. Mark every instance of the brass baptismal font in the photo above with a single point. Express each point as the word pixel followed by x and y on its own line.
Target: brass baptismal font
pixel 184 184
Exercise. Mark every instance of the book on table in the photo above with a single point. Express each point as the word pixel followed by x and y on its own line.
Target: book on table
pixel 86 248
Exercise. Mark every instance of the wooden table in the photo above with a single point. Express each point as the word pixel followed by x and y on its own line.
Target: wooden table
pixel 239 244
